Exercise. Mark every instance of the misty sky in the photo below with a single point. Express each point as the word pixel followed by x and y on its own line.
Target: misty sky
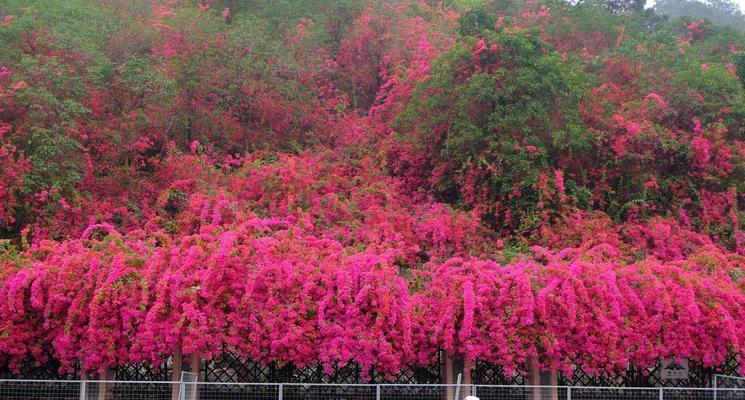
pixel 650 3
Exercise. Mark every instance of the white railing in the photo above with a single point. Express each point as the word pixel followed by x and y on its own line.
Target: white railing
pixel 192 390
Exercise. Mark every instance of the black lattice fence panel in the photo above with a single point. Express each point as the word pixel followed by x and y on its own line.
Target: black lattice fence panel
pixel 312 373
pixel 581 378
pixel 415 375
pixel 144 372
pixel 350 373
pixel 698 376
pixel 484 373
pixel 230 367
pixel 429 374
pixel 730 367
pixel 49 370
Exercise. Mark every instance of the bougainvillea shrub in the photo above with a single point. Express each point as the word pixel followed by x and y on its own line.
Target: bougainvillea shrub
pixel 363 181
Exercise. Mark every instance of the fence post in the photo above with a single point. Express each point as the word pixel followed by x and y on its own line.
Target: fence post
pixel 377 392
pixel 281 394
pixel 467 382
pixel 82 389
pixel 447 375
pixel 457 388
pixel 661 394
pixel 569 393
pixel 195 367
pixel 534 379
pixel 553 379
pixel 176 374
pixel 105 377
pixel 714 379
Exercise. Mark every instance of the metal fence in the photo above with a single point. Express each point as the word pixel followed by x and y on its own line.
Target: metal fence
pixel 727 381
pixel 233 367
pixel 140 390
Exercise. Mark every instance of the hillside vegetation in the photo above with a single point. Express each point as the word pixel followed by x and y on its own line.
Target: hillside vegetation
pixel 345 180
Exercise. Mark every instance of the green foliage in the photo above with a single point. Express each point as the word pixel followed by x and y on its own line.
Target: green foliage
pixel 123 86
pixel 56 161
pixel 491 6
pixel 716 86
pixel 74 25
pixel 281 15
pixel 740 66
pixel 625 6
pixel 475 21
pixel 511 108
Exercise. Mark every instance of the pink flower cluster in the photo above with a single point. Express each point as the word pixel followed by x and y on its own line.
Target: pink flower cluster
pixel 270 290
